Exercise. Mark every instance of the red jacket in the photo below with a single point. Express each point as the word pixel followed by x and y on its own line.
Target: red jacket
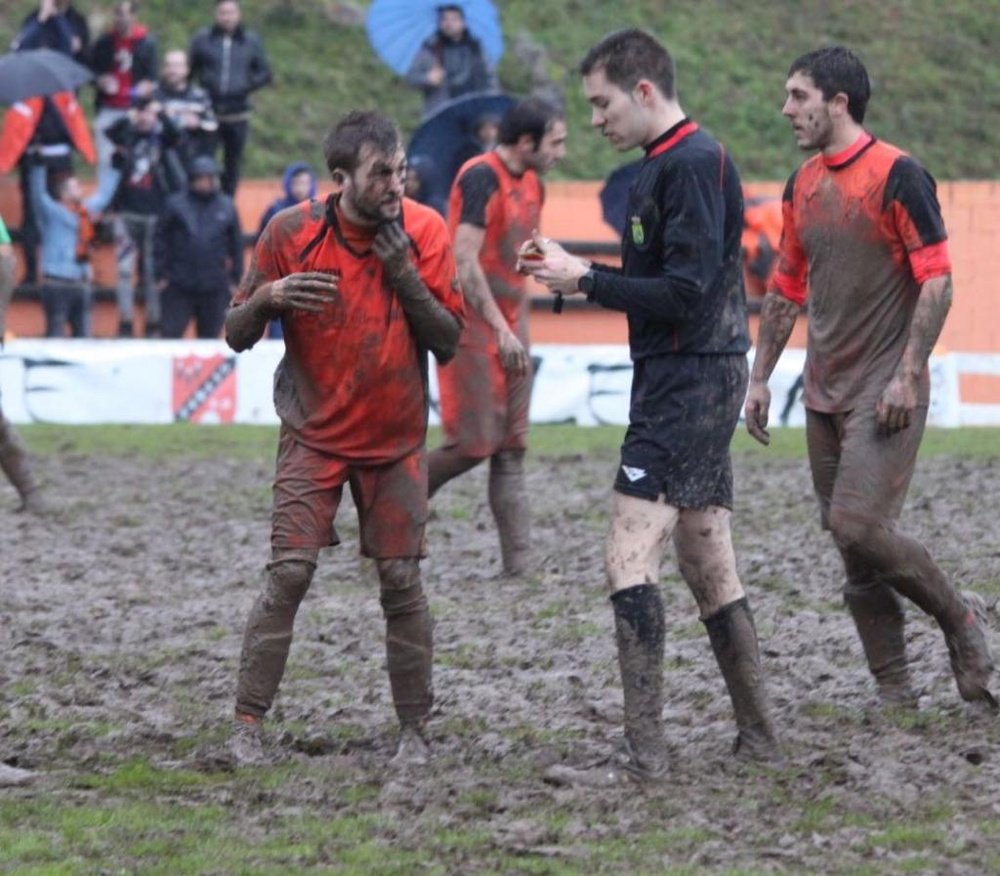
pixel 21 120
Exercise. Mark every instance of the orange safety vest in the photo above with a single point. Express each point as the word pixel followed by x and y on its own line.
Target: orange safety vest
pixel 21 120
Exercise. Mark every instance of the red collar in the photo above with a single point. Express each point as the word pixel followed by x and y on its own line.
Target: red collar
pixel 686 128
pixel 851 152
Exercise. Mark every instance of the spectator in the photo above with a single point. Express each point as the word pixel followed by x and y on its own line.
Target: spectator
pixel 13 459
pixel 228 61
pixel 145 143
pixel 420 183
pixel 58 26
pixel 760 243
pixel 124 59
pixel 67 232
pixel 450 63
pixel 198 253
pixel 187 106
pixel 299 182
pixel 300 185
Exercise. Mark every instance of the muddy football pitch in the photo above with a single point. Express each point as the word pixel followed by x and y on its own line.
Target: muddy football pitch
pixel 120 624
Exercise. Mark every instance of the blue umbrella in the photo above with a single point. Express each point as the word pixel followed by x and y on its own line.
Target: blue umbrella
pixel 397 28
pixel 614 195
pixel 447 139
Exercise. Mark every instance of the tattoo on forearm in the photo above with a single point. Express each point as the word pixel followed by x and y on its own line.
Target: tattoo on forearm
pixel 928 320
pixel 244 323
pixel 777 319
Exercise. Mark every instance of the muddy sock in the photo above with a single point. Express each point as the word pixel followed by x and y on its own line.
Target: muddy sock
pixel 639 633
pixel 268 635
pixel 878 616
pixel 444 464
pixel 733 635
pixel 509 504
pixel 14 461
pixel 409 648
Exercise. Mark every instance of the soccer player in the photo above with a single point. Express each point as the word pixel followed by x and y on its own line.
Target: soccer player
pixel 13 458
pixel 863 236
pixel 486 389
pixel 680 287
pixel 365 283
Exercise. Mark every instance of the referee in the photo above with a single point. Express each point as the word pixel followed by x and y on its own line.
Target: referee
pixel 680 286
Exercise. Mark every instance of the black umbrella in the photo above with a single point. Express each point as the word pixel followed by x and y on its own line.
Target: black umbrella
pixel 38 72
pixel 614 195
pixel 446 140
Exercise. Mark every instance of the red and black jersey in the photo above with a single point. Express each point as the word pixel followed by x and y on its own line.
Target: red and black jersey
pixel 352 382
pixel 862 232
pixel 507 206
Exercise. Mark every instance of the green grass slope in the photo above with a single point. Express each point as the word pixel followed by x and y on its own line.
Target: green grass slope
pixel 935 78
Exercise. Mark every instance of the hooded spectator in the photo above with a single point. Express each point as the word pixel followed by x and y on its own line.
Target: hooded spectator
pixel 198 253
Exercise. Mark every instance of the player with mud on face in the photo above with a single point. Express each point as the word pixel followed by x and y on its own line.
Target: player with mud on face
pixel 365 284
pixel 865 247
pixel 680 287
pixel 495 203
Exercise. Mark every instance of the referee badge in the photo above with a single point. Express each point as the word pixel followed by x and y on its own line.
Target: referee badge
pixel 638 235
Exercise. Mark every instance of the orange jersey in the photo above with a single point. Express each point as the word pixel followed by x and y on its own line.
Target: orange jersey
pixel 507 207
pixel 353 381
pixel 862 232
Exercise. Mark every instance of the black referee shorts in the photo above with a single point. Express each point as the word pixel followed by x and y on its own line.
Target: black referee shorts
pixel 683 413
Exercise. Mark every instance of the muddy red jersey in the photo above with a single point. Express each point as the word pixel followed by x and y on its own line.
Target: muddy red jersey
pixel 353 381
pixel 862 232
pixel 507 207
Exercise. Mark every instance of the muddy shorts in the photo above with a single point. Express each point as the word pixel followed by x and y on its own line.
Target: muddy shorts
pixel 483 408
pixel 857 469
pixel 391 501
pixel 683 414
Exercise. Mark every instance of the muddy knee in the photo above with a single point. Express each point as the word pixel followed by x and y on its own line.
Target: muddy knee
pixel 706 559
pixel 857 536
pixel 401 592
pixel 508 462
pixel 288 582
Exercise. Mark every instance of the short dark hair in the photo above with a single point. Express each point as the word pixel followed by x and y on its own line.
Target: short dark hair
pixel 343 143
pixel 837 70
pixel 626 56
pixel 533 116
pixel 450 7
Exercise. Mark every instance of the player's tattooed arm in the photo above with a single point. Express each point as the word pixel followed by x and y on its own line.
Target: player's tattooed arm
pixel 433 325
pixel 310 291
pixel 895 407
pixel 777 319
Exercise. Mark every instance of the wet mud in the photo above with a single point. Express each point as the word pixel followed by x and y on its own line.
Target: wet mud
pixel 121 620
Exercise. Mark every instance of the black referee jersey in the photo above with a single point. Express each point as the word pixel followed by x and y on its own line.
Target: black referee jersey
pixel 681 281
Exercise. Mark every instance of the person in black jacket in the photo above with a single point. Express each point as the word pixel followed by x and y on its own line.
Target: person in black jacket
pixel 680 286
pixel 229 62
pixel 450 63
pixel 198 254
pixel 187 105
pixel 55 25
pixel 146 144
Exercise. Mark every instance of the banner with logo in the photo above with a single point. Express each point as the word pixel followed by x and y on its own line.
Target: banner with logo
pixel 136 381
